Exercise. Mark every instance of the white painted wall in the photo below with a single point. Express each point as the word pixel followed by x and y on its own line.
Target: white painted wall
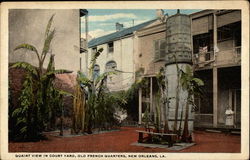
pixel 28 26
pixel 124 57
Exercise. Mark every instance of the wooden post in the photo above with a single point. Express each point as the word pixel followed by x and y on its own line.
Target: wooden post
pixel 215 37
pixel 140 105
pixel 86 32
pixel 215 96
pixel 215 74
pixel 151 98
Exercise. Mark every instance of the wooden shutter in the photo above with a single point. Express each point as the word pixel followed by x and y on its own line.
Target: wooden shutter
pixel 157 49
pixel 162 48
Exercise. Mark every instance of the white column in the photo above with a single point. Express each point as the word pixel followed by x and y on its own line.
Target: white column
pixel 216 49
pixel 86 54
pixel 151 96
pixel 140 105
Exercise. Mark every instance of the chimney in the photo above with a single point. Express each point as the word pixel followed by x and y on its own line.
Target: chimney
pixel 118 26
pixel 160 15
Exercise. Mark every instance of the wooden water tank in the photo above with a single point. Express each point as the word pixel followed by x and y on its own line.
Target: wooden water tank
pixel 178 39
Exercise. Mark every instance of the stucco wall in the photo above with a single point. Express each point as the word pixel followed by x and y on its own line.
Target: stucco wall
pixel 28 26
pixel 123 56
pixel 146 53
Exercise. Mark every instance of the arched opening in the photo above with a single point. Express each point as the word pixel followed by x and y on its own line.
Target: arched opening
pixel 96 71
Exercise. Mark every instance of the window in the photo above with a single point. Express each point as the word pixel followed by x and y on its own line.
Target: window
pixel 110 47
pixel 94 50
pixel 224 33
pixel 96 72
pixel 202 41
pixel 159 46
pixel 111 66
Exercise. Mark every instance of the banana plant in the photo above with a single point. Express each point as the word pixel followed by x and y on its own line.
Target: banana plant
pixel 193 86
pixel 164 100
pixel 98 101
pixel 41 84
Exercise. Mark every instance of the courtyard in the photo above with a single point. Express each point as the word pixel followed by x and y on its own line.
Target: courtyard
pixel 122 140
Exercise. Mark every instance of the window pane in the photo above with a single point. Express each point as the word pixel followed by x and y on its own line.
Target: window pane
pixel 111 66
pixel 111 47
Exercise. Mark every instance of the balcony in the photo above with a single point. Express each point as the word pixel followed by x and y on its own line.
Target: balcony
pixel 237 54
pixel 238 51
pixel 203 58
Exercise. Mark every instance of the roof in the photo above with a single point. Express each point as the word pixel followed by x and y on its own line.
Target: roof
pixel 117 35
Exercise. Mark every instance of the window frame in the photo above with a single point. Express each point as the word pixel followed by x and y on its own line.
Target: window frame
pixel 112 68
pixel 110 48
pixel 158 50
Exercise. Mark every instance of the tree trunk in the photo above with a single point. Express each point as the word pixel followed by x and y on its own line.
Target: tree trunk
pixel 177 99
pixel 165 109
pixel 185 135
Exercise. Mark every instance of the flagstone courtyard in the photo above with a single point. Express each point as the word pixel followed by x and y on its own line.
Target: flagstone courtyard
pixel 122 140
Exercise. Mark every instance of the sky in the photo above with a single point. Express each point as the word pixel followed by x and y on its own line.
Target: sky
pixel 102 21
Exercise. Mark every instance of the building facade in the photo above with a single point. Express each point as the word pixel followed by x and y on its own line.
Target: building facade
pixel 119 51
pixel 28 26
pixel 217 61
pixel 216 54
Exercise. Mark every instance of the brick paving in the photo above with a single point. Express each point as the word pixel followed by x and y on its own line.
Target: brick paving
pixel 120 141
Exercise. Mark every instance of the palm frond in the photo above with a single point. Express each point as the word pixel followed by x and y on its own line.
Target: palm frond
pixel 28 67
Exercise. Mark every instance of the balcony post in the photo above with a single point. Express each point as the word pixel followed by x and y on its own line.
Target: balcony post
pixel 215 96
pixel 140 105
pixel 86 32
pixel 216 49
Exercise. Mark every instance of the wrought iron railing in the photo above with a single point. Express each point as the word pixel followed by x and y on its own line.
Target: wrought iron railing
pixel 203 57
pixel 209 56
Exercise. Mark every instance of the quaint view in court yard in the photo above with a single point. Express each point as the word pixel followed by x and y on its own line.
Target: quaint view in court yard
pixel 124 80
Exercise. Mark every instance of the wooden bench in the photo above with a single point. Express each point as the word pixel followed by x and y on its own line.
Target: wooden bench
pixel 169 137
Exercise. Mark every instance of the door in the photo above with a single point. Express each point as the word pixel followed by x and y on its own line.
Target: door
pixel 236 106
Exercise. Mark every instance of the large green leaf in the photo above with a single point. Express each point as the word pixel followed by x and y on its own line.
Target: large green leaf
pixel 104 76
pixel 47 42
pixel 51 66
pixel 53 73
pixel 198 81
pixel 49 25
pixel 28 47
pixel 85 81
pixel 65 93
pixel 28 67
